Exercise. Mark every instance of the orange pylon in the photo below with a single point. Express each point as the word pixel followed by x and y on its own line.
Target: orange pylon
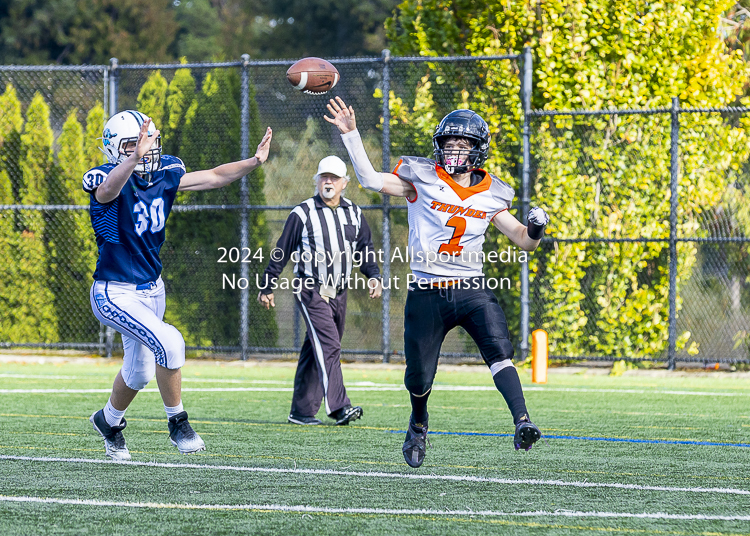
pixel 539 356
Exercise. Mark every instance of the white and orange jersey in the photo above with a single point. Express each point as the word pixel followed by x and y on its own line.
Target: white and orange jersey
pixel 447 221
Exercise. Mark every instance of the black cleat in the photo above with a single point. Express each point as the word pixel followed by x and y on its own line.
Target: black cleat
pixel 114 442
pixel 299 419
pixel 346 415
pixel 527 433
pixel 415 444
pixel 182 435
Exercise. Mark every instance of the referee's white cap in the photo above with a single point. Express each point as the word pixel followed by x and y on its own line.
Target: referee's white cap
pixel 332 164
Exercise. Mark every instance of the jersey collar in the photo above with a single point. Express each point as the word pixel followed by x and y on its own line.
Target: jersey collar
pixel 145 181
pixel 461 191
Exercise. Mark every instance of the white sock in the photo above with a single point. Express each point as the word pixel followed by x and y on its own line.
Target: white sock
pixel 172 411
pixel 111 415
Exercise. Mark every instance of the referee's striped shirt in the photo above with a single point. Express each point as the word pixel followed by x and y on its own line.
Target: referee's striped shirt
pixel 314 229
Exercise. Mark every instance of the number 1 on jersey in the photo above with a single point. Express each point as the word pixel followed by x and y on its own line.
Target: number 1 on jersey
pixel 459 228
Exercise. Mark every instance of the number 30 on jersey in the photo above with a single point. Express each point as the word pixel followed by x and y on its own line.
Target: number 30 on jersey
pixel 153 215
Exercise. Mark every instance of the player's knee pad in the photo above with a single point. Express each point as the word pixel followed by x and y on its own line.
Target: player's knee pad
pixel 174 348
pixel 138 375
pixel 417 388
pixel 502 349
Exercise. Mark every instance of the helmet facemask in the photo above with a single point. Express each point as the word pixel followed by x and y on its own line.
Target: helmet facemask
pixel 150 162
pixel 464 125
pixel 458 160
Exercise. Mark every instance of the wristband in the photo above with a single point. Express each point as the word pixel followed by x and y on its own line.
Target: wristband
pixel 536 231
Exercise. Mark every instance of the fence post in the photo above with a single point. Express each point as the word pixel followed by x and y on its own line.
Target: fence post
pixel 674 169
pixel 525 167
pixel 114 79
pixel 386 304
pixel 244 200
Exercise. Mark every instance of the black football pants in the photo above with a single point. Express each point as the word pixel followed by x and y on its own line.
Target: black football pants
pixel 318 376
pixel 431 313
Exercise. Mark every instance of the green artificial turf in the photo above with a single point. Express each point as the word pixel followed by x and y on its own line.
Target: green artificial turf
pixel 248 429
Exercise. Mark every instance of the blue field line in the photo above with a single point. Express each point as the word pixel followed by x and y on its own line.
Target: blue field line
pixel 583 438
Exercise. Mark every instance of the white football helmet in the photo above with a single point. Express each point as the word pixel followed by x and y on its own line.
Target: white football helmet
pixel 124 127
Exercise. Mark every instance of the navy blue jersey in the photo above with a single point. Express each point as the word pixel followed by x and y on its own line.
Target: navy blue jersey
pixel 130 229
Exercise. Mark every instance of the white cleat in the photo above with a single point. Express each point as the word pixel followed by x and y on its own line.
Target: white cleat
pixel 182 435
pixel 114 442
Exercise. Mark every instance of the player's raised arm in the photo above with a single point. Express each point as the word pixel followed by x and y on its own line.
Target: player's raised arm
pixel 386 183
pixel 224 174
pixel 116 179
pixel 527 238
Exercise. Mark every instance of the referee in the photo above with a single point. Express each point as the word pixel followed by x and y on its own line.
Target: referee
pixel 325 236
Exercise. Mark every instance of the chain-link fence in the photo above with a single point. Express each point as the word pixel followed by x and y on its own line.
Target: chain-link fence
pixel 647 254
pixel 629 270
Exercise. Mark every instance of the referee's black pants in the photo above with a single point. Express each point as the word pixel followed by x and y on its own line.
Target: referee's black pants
pixel 318 378
pixel 432 312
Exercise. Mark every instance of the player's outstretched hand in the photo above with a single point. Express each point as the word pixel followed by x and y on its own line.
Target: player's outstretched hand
pixel 266 300
pixel 343 117
pixel 145 142
pixel 264 146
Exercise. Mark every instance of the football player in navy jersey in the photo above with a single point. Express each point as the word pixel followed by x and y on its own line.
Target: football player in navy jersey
pixel 131 198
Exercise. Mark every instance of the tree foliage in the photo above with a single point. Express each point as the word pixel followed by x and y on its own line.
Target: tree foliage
pixel 148 31
pixel 203 128
pixel 51 254
pixel 70 238
pixel 601 177
pixel 87 31
pixel 26 157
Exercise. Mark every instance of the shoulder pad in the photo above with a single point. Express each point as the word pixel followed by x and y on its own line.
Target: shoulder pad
pixel 172 163
pixel 416 169
pixel 93 178
pixel 501 191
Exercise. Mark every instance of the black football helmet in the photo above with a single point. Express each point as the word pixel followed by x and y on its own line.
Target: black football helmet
pixel 462 124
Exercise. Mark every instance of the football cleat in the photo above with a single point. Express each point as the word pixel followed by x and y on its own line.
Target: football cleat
pixel 299 419
pixel 346 415
pixel 527 433
pixel 114 442
pixel 415 444
pixel 182 435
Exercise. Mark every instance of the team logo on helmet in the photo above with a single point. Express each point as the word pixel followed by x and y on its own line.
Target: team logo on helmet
pixel 106 136
pixel 462 124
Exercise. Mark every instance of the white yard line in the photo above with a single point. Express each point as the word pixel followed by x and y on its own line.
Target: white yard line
pixel 386 387
pixel 358 386
pixel 403 476
pixel 381 511
pixel 109 379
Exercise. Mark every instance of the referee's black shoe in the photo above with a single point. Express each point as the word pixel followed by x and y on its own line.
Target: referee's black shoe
pixel 346 415
pixel 301 419
pixel 415 444
pixel 527 433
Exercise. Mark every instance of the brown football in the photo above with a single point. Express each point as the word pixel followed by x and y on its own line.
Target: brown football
pixel 314 76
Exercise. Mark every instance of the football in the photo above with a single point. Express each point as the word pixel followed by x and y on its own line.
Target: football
pixel 314 76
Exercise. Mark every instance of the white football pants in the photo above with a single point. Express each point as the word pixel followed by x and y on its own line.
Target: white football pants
pixel 137 315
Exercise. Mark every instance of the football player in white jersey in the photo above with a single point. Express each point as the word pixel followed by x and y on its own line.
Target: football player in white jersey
pixel 451 203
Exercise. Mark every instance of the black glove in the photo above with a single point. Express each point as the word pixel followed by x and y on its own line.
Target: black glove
pixel 538 220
